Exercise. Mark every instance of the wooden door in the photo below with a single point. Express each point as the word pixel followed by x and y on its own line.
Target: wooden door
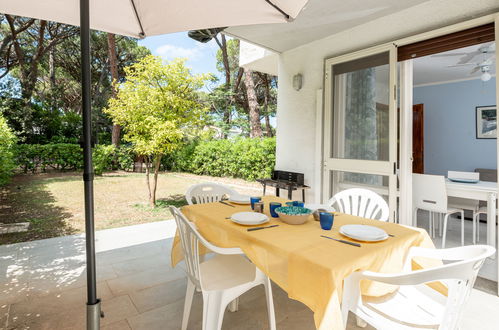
pixel 418 138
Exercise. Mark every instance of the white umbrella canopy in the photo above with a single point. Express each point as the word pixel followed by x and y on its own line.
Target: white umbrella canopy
pixel 141 18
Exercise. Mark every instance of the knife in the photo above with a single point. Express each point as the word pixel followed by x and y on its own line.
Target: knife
pixel 342 241
pixel 258 228
pixel 226 204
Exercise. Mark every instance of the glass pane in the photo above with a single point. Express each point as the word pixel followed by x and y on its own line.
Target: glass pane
pixel 341 180
pixel 360 108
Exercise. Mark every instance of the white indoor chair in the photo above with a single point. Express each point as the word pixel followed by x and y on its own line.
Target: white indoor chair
pixel 360 202
pixel 415 305
pixel 207 193
pixel 466 203
pixel 429 193
pixel 221 279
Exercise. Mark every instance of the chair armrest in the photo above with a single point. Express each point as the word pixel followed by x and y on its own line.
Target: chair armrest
pixel 217 249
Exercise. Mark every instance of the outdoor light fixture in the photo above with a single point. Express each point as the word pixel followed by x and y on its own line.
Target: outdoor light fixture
pixel 297 81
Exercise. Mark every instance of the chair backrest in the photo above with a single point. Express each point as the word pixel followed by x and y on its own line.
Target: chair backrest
pixel 429 192
pixel 360 202
pixel 459 276
pixel 207 193
pixel 189 238
pixel 463 175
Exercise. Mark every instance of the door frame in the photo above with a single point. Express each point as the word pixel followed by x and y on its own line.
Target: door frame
pixel 385 168
pixel 405 120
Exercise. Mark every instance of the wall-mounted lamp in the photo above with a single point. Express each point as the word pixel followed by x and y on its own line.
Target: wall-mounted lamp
pixel 297 81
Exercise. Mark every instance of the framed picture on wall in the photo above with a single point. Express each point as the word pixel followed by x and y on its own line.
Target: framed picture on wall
pixel 486 122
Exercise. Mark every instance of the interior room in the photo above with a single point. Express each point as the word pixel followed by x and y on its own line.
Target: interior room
pixel 454 129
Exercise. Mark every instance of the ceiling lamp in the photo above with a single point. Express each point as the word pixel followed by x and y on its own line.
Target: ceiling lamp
pixel 486 76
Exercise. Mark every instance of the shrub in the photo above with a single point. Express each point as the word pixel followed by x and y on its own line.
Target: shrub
pixel 125 157
pixel 244 158
pixel 59 156
pixel 7 142
pixel 103 156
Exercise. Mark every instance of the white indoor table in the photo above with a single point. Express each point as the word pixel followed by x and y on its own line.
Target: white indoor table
pixel 483 191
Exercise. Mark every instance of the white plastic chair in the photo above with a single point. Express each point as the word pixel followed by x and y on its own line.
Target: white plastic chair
pixel 465 203
pixel 208 193
pixel 415 305
pixel 221 279
pixel 429 193
pixel 360 202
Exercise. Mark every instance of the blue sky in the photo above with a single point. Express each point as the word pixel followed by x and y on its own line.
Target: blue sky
pixel 201 57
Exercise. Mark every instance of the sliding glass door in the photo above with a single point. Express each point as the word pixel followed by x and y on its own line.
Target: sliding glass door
pixel 360 137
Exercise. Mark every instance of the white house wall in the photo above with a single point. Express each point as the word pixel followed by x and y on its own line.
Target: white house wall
pixel 296 110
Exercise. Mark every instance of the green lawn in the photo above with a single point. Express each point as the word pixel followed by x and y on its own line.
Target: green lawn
pixel 53 203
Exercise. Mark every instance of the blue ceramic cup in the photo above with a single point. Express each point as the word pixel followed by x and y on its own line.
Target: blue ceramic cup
pixel 290 203
pixel 273 206
pixel 299 204
pixel 253 200
pixel 326 220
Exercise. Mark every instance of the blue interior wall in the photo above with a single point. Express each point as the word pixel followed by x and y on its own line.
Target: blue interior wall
pixel 450 128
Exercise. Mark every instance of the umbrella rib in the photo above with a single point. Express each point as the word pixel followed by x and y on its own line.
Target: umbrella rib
pixel 278 9
pixel 142 33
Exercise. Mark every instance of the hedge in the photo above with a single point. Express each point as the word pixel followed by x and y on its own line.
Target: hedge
pixel 59 156
pixel 246 158
pixel 67 156
pixel 7 143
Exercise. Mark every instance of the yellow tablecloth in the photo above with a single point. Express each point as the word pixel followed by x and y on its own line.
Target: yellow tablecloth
pixel 308 267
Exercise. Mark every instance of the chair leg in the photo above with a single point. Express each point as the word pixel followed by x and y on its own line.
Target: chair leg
pixel 474 227
pixel 415 218
pixel 432 224
pixel 478 228
pixel 462 228
pixel 270 304
pixel 444 234
pixel 440 220
pixel 213 311
pixel 189 294
pixel 234 305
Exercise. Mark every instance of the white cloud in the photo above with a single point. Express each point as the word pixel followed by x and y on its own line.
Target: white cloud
pixel 170 52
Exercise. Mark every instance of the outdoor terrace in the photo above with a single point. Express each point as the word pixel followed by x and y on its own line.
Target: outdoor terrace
pixel 43 287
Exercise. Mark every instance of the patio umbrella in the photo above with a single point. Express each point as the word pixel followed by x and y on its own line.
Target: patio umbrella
pixel 138 18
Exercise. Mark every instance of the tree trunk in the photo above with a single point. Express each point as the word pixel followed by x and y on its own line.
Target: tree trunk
pixel 254 111
pixel 113 66
pixel 148 182
pixel 225 60
pixel 266 100
pixel 157 163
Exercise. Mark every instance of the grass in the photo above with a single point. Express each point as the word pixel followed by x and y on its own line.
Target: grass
pixel 53 203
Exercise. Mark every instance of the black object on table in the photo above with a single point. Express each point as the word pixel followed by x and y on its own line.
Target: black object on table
pixel 285 180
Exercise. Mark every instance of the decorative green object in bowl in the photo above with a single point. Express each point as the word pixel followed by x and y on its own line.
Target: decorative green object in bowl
pixel 293 215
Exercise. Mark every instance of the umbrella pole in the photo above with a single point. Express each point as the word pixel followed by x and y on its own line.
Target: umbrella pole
pixel 93 303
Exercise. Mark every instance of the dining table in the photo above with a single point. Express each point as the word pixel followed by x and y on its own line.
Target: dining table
pixel 309 267
pixel 482 191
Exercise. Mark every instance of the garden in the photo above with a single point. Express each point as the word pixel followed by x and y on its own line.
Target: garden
pixel 157 128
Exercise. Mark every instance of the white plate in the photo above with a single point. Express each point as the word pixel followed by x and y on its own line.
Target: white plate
pixel 240 199
pixel 249 218
pixel 364 233
pixel 314 207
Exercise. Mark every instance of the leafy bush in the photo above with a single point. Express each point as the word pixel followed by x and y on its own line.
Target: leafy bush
pixel 103 156
pixel 125 157
pixel 59 156
pixel 240 158
pixel 7 142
